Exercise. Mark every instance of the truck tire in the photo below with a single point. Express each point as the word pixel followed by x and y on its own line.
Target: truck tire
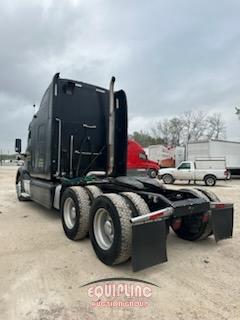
pixel 136 203
pixel 75 208
pixel 93 192
pixel 193 227
pixel 210 180
pixel 110 228
pixel 168 179
pixel 213 198
pixel 209 194
pixel 152 173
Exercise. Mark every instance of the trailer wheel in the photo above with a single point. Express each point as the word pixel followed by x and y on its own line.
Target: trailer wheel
pixel 136 203
pixel 194 227
pixel 75 208
pixel 110 228
pixel 210 180
pixel 152 173
pixel 93 192
pixel 168 179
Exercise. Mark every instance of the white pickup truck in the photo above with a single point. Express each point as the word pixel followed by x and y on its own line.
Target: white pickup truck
pixel 206 170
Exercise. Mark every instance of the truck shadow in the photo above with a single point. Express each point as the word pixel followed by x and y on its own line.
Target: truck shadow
pixel 196 184
pixel 38 210
pixel 174 240
pixel 175 247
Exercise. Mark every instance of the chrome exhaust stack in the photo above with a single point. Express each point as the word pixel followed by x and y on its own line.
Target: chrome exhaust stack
pixel 111 128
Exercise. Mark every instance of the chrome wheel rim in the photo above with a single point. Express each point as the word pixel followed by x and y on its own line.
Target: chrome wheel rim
pixel 69 213
pixel 153 174
pixel 167 179
pixel 103 229
pixel 210 181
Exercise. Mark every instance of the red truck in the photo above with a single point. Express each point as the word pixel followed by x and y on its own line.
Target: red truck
pixel 137 161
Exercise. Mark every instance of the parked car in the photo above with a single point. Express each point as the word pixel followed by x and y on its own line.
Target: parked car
pixel 207 170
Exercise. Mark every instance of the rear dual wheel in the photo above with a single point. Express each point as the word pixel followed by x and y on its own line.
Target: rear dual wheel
pixel 105 216
pixel 110 227
pixel 75 208
pixel 193 228
pixel 196 226
pixel 93 192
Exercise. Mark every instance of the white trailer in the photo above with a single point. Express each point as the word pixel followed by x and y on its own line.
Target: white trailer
pixel 166 155
pixel 179 155
pixel 228 150
pixel 157 152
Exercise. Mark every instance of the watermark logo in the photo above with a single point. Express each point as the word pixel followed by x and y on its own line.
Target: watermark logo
pixel 120 292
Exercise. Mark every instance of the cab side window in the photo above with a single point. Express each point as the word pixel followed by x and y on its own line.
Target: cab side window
pixel 184 166
pixel 142 156
pixel 40 154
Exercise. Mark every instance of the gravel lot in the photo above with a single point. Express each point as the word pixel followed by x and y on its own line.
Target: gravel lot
pixel 41 271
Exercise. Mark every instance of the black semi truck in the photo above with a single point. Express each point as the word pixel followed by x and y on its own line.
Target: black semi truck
pixel 75 162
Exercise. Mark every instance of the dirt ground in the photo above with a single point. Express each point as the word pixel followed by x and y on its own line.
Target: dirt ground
pixel 41 271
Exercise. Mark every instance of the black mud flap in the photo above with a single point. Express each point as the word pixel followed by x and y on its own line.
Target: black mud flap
pixel 148 244
pixel 222 221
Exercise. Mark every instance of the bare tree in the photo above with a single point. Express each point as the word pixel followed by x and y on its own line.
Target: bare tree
pixel 176 130
pixel 182 129
pixel 192 126
pixel 195 123
pixel 163 130
pixel 215 126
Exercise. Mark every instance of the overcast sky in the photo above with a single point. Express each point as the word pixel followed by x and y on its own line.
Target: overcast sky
pixel 168 55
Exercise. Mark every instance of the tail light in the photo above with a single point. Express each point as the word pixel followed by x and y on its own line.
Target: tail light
pixel 220 205
pixel 176 224
pixel 205 217
pixel 217 205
